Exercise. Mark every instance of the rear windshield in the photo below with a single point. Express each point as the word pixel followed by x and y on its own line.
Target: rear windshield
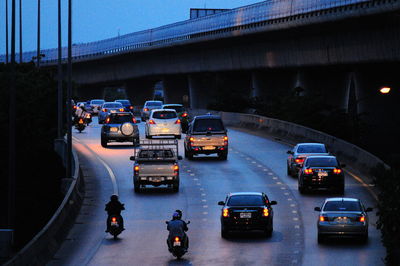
pixel 154 104
pixel 311 149
pixel 97 102
pixel 321 162
pixel 178 109
pixel 155 154
pixel 245 200
pixel 119 118
pixel 164 115
pixel 342 206
pixel 123 101
pixel 204 125
pixel 112 105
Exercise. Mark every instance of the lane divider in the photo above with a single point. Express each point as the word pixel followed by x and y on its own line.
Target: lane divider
pixel 108 168
pixel 365 185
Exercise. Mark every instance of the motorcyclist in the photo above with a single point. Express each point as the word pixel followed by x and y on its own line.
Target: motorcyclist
pixel 114 208
pixel 177 227
pixel 80 112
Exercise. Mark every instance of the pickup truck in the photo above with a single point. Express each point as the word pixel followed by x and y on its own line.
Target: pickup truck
pixel 206 135
pixel 156 164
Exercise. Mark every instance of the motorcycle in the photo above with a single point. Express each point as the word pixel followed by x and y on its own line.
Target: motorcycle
pixel 80 125
pixel 115 226
pixel 177 245
pixel 88 118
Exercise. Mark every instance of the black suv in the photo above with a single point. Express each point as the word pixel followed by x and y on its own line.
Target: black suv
pixel 120 127
pixel 206 135
pixel 247 211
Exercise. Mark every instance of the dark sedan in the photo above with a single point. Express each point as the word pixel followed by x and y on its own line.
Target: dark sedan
pixel 342 217
pixel 300 152
pixel 247 211
pixel 128 107
pixel 321 172
pixel 120 127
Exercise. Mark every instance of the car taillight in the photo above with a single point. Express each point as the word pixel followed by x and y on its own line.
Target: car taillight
pixel 146 109
pixel 107 120
pixel 184 115
pixel 121 109
pixel 265 212
pixel 225 212
pixel 176 239
pixel 114 219
pixel 299 160
pixel 337 171
pixel 136 168
pixel 104 110
pixel 80 121
pixel 323 218
pixel 131 107
pixel 362 218
pixel 133 120
pixel 308 171
pixel 176 167
pixel 87 115
pixel 178 121
pixel 75 107
pixel 191 139
pixel 225 140
pixel 151 122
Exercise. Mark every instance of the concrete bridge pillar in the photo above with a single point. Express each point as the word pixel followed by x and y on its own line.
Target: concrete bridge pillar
pixel 176 89
pixel 139 90
pixel 201 90
pixel 88 92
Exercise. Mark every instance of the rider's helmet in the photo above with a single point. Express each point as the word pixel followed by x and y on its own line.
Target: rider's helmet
pixel 175 216
pixel 81 105
pixel 114 197
pixel 180 213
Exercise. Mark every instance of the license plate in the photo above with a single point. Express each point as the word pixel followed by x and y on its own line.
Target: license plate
pixel 342 220
pixel 156 179
pixel 322 173
pixel 177 244
pixel 114 224
pixel 208 148
pixel 165 130
pixel 114 129
pixel 245 215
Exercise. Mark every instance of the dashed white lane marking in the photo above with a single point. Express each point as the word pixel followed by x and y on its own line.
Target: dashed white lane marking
pixel 297 226
pixel 286 193
pixel 275 178
pixel 198 184
pixel 295 219
pixel 203 200
pixel 201 188
pixel 203 194
pixel 283 188
pixel 204 219
pixel 205 206
pixel 253 162
pixel 259 165
pixel 205 213
pixel 247 158
pixel 294 211
pixel 265 170
pixel 188 170
pixel 289 199
pixel 270 173
pixel 191 174
pixel 279 183
pixel 292 205
pixel 195 179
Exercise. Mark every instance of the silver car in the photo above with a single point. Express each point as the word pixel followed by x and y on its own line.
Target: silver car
pixel 342 217
pixel 163 122
pixel 107 108
pixel 96 105
pixel 148 106
pixel 300 152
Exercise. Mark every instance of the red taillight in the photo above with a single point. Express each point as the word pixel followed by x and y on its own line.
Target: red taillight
pixel 265 212
pixel 176 167
pixel 184 115
pixel 191 139
pixel 104 110
pixel 151 122
pixel 75 107
pixel 131 107
pixel 121 109
pixel 176 239
pixel 362 219
pixel 225 140
pixel 114 219
pixel 225 212
pixel 337 171
pixel 87 115
pixel 107 120
pixel 299 160
pixel 133 120
pixel 80 121
pixel 178 121
pixel 308 171
pixel 136 168
pixel 322 218
pixel 146 109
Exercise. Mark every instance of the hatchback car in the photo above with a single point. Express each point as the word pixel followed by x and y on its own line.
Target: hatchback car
pixel 247 211
pixel 148 106
pixel 128 107
pixel 163 122
pixel 300 152
pixel 321 172
pixel 342 217
pixel 96 105
pixel 107 108
pixel 182 114
pixel 120 127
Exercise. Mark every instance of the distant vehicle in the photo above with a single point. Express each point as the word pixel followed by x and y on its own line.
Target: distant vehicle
pixel 127 105
pixel 96 105
pixel 206 135
pixel 88 107
pixel 321 172
pixel 163 122
pixel 182 114
pixel 342 217
pixel 156 163
pixel 300 152
pixel 247 211
pixel 107 108
pixel 80 124
pixel 148 106
pixel 120 127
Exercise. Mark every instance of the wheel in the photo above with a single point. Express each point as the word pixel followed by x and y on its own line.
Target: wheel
pixel 189 155
pixel 115 236
pixel 175 187
pixel 289 173
pixel 321 239
pixel 364 238
pixel 224 232
pixel 223 156
pixel 268 232
pixel 104 142
pixel 136 186
pixel 302 190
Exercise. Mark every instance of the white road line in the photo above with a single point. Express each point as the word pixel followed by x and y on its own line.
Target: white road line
pixel 108 168
pixel 363 184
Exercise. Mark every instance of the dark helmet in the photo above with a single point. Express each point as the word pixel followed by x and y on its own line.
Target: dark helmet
pixel 179 213
pixel 114 197
pixel 175 216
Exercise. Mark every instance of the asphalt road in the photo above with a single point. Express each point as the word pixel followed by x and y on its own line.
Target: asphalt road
pixel 254 164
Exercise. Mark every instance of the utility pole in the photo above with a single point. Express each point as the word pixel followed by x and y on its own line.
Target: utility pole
pixel 69 89
pixel 59 88
pixel 12 151
pixel 6 31
pixel 38 36
pixel 20 31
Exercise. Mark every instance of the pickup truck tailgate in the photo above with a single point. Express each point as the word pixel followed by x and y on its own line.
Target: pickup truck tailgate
pixel 156 169
pixel 215 140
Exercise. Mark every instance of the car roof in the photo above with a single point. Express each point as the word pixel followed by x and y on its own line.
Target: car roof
pixel 98 100
pixel 120 113
pixel 207 117
pixel 321 156
pixel 112 103
pixel 309 144
pixel 341 199
pixel 172 104
pixel 163 110
pixel 154 101
pixel 245 193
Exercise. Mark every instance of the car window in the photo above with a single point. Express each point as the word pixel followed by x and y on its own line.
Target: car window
pixel 97 102
pixel 204 125
pixel 118 119
pixel 245 200
pixel 321 162
pixel 342 206
pixel 158 104
pixel 164 115
pixel 156 154
pixel 123 101
pixel 112 105
pixel 178 109
pixel 311 149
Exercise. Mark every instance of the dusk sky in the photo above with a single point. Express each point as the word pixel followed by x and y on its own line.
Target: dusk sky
pixel 100 19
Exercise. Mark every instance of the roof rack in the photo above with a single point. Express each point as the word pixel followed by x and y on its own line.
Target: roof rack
pixel 157 144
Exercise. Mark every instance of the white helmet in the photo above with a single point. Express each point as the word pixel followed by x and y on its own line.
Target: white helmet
pixel 81 105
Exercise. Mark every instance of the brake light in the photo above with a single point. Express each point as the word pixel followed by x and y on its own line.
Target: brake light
pixel 225 140
pixel 121 109
pixel 75 107
pixel 151 122
pixel 191 139
pixel 337 171
pixel 107 120
pixel 176 167
pixel 146 109
pixel 266 212
pixel 225 212
pixel 87 115
pixel 80 121
pixel 308 171
pixel 136 168
pixel 362 219
pixel 131 107
pixel 184 115
pixel 176 239
pixel 133 120
pixel 299 160
pixel 114 219
pixel 104 110
pixel 178 121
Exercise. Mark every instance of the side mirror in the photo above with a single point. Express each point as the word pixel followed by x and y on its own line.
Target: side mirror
pixel 342 165
pixel 180 157
pixel 166 222
pixel 221 203
pixel 318 209
pixel 369 209
pixel 273 202
pixel 289 152
pixel 188 222
pixel 132 158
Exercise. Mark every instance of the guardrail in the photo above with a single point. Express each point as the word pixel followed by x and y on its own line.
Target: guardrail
pixel 239 20
pixel 46 243
pixel 360 159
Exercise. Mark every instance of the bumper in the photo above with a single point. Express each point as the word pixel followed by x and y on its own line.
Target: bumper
pixel 119 136
pixel 156 180
pixel 324 184
pixel 259 224
pixel 201 150
pixel 162 131
pixel 343 230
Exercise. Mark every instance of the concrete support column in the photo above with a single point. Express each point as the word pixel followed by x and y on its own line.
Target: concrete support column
pixel 88 92
pixel 176 90
pixel 140 90
pixel 201 90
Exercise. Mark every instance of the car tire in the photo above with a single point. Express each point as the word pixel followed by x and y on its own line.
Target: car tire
pixel 175 187
pixel 321 239
pixel 302 189
pixel 289 172
pixel 223 156
pixel 104 142
pixel 136 186
pixel 178 136
pixel 224 232
pixel 189 155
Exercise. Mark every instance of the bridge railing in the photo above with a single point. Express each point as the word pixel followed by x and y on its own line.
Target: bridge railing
pixel 195 28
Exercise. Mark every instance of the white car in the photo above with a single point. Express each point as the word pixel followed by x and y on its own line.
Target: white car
pixel 163 122
pixel 96 105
